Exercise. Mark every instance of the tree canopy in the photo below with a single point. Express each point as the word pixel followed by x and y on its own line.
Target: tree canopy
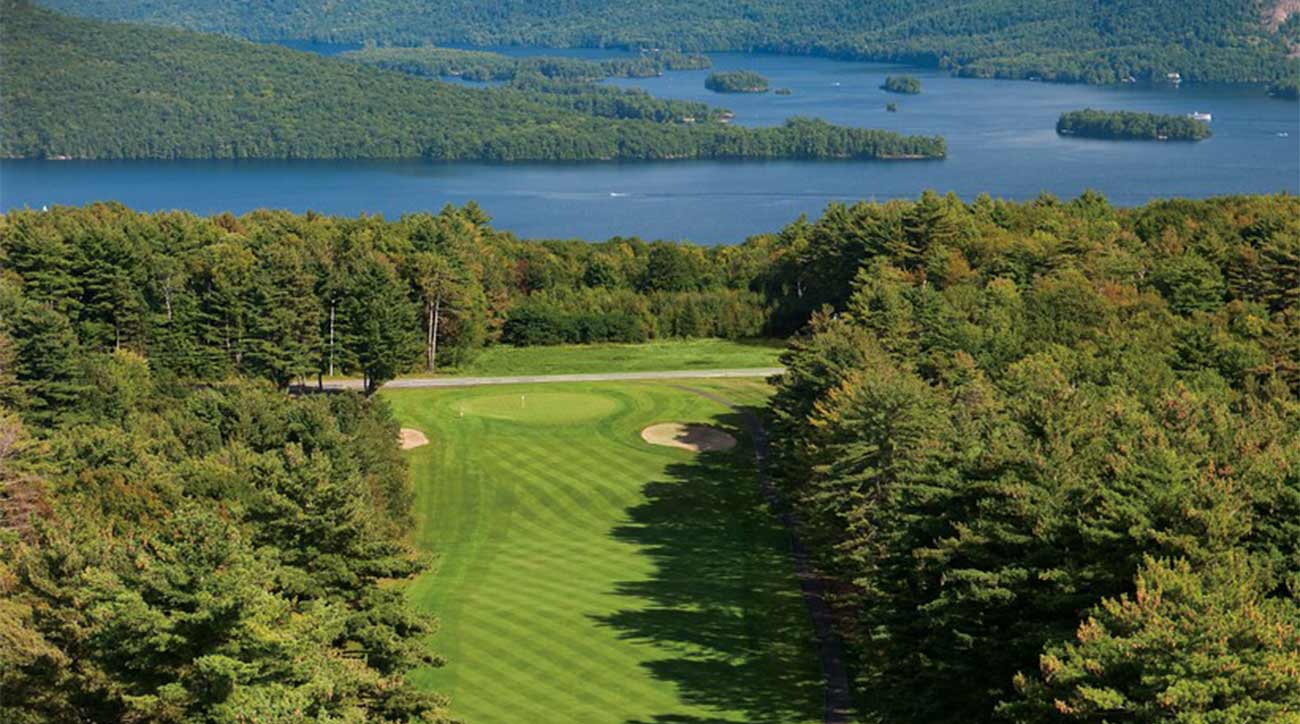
pixel 736 81
pixel 905 84
pixel 1062 40
pixel 1132 126
pixel 1051 451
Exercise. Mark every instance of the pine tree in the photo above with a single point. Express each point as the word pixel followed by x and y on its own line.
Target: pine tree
pixel 442 290
pixel 285 335
pixel 379 323
pixel 932 221
pixel 1189 645
pixel 47 364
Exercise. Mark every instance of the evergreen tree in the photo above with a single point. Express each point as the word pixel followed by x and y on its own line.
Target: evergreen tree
pixel 442 290
pixel 286 341
pixel 378 323
pixel 1188 645
pixel 47 365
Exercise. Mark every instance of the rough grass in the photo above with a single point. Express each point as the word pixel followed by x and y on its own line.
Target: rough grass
pixel 586 576
pixel 691 354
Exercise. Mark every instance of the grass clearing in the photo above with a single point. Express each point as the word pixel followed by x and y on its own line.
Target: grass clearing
pixel 586 576
pixel 683 354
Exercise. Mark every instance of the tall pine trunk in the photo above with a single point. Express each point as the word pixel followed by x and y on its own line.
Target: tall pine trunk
pixel 434 316
pixel 332 303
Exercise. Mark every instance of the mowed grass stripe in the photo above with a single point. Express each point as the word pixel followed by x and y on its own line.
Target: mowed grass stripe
pixel 595 666
pixel 508 636
pixel 546 597
pixel 561 597
pixel 557 475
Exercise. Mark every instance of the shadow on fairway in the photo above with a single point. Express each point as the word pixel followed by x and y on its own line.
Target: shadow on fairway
pixel 722 604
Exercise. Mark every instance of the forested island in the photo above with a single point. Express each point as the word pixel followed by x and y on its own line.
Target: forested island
pixel 1131 126
pixel 91 90
pixel 736 81
pixel 989 408
pixel 483 66
pixel 1051 40
pixel 905 84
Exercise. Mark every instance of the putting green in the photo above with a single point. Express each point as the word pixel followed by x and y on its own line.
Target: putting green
pixel 585 576
pixel 540 408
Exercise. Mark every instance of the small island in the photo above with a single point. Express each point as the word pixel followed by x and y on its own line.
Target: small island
pixel 891 107
pixel 1131 126
pixel 905 84
pixel 736 81
pixel 783 91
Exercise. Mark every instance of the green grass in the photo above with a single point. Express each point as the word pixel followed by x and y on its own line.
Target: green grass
pixel 585 576
pixel 690 354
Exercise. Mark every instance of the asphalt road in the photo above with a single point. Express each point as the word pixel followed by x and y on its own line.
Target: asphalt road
pixel 410 382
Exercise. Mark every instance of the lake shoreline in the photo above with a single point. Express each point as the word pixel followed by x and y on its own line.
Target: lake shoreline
pixel 1000 135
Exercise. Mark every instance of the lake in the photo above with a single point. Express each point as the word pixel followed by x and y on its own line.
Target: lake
pixel 1001 141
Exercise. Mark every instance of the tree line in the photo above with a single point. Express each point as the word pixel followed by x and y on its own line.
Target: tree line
pixel 292 298
pixel 1047 455
pixel 1286 89
pixel 1055 40
pixel 83 89
pixel 482 66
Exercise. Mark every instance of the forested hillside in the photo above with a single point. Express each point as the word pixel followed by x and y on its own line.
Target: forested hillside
pixel 1095 42
pixel 84 89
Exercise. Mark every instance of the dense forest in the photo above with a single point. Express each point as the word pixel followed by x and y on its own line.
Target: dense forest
pixel 1061 40
pixel 736 81
pixel 1131 126
pixel 1049 449
pixel 84 89
pixel 286 298
pixel 905 84
pixel 1048 455
pixel 482 66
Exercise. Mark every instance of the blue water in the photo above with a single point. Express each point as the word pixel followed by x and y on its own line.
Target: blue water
pixel 1000 141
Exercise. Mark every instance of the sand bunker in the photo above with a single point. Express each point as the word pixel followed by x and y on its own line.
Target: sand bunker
pixel 696 438
pixel 413 438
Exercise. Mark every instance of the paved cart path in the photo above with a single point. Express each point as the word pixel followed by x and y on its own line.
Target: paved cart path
pixel 409 382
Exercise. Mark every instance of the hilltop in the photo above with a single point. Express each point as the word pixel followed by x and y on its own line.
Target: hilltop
pixel 77 88
pixel 1204 40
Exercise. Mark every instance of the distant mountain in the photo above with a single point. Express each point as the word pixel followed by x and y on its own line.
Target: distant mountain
pixel 1069 40
pixel 75 88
